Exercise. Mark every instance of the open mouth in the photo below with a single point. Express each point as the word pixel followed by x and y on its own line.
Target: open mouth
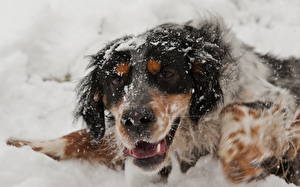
pixel 145 149
pixel 147 154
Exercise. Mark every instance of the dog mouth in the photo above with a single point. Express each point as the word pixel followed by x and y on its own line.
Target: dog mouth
pixel 148 154
pixel 145 149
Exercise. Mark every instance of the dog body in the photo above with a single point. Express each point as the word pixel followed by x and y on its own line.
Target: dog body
pixel 182 91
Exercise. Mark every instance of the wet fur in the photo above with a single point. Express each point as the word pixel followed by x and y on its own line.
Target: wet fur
pixel 239 84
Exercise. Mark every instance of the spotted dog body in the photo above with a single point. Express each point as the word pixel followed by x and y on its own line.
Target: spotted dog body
pixel 251 137
pixel 183 91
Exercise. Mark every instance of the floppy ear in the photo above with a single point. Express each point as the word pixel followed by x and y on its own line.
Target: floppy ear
pixel 206 60
pixel 207 91
pixel 90 92
pixel 90 104
pixel 90 96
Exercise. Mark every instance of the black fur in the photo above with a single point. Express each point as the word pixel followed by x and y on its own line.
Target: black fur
pixel 91 111
pixel 285 73
pixel 182 48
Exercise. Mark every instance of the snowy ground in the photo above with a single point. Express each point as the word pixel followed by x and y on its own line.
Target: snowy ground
pixel 43 42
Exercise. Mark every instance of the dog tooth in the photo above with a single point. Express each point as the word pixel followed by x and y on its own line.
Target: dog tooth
pixel 158 148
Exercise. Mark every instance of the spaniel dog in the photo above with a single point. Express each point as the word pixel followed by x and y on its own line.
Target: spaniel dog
pixel 178 92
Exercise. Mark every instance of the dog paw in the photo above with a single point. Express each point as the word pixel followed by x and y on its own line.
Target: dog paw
pixel 252 135
pixel 17 142
pixel 51 148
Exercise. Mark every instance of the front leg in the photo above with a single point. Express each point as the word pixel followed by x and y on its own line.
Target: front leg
pixel 259 139
pixel 78 145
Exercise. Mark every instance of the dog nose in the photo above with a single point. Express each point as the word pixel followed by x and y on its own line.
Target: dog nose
pixel 138 118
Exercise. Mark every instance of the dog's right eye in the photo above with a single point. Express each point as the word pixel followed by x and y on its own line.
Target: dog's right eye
pixel 166 74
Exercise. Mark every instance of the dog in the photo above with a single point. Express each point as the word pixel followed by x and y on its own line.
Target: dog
pixel 178 92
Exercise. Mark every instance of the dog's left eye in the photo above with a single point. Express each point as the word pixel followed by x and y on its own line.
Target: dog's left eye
pixel 167 74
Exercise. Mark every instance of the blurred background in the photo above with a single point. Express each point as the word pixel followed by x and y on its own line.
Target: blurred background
pixel 43 49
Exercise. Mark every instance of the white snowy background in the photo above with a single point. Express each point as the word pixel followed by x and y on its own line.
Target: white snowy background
pixel 44 42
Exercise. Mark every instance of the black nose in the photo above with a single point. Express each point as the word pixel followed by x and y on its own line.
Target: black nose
pixel 138 118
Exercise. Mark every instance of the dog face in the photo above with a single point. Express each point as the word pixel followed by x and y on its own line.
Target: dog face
pixel 149 83
pixel 148 88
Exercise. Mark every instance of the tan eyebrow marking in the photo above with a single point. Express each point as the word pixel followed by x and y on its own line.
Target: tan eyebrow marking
pixel 153 66
pixel 122 68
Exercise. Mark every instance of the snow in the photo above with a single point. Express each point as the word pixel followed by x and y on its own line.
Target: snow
pixel 43 49
pixel 131 44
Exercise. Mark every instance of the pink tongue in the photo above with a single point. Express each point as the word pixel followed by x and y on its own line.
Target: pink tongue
pixel 146 150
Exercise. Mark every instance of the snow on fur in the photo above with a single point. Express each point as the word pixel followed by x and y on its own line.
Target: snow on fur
pixel 43 52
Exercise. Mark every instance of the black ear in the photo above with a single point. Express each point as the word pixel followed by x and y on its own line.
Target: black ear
pixel 207 91
pixel 207 57
pixel 90 104
pixel 90 92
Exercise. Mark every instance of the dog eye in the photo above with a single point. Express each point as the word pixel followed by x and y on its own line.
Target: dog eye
pixel 166 74
pixel 118 81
